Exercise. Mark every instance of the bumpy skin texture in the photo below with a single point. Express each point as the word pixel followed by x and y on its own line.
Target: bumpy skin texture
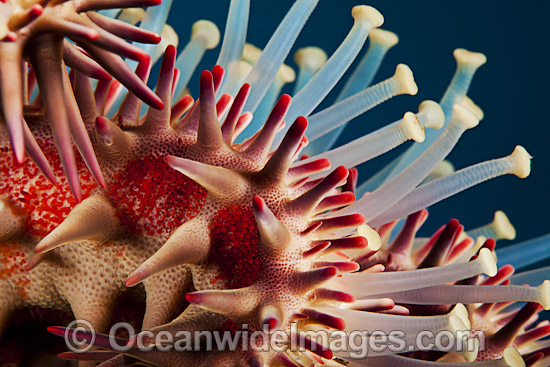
pixel 32 35
pixel 88 276
pixel 90 271
pixel 71 278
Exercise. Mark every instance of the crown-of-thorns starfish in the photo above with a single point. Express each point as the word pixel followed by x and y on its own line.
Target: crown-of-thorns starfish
pixel 267 240
pixel 106 223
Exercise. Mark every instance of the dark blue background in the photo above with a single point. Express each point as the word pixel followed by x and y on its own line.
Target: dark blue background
pixel 512 88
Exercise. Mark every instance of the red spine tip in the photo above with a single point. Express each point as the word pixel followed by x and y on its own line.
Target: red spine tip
pixel 217 74
pixel 156 38
pixel 341 172
pixel 286 99
pixel 206 79
pixel 272 323
pixel 490 244
pixel 361 242
pixel 359 218
pixel 218 71
pixel 158 105
pixel 170 51
pixel 300 316
pixel 334 322
pixel 301 122
pixel 135 279
pixel 35 11
pixel 323 163
pixel 18 159
pixel 453 223
pixel 56 330
pixel 101 125
pixel 346 297
pixel 258 203
pixel 329 272
pixel 132 341
pixel 315 347
pixel 93 35
pixel 193 298
pixel 11 37
pixel 349 266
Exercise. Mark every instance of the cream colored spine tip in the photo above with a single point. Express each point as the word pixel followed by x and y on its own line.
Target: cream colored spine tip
pixel 132 15
pixel 312 58
pixel 469 58
pixel 464 117
pixel 369 14
pixel 470 105
pixel 512 358
pixel 488 263
pixel 374 242
pixel 405 79
pixel 502 226
pixel 544 294
pixel 169 36
pixel 251 54
pixel 445 168
pixel 286 74
pixel 207 32
pixel 244 69
pixel 411 127
pixel 383 37
pixel 522 162
pixel 431 115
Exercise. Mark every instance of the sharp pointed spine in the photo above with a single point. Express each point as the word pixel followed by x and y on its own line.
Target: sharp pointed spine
pixel 160 118
pixel 94 219
pixel 278 165
pixel 187 245
pixel 218 181
pixel 273 233
pixel 231 303
pixel 310 280
pixel 209 135
pixel 308 201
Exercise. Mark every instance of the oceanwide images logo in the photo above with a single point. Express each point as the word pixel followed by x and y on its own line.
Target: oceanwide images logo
pixel 80 337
